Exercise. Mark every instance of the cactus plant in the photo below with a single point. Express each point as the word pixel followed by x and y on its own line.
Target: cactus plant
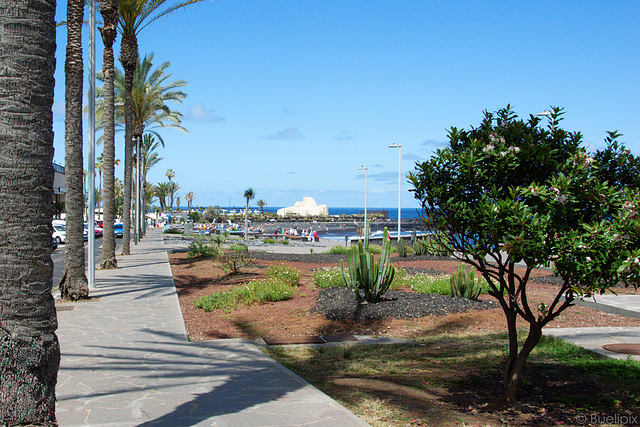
pixel 464 285
pixel 369 279
pixel 402 248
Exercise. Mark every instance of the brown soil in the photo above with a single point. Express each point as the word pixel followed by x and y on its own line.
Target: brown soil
pixel 467 399
pixel 292 318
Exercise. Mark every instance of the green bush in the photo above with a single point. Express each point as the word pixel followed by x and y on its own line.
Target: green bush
pixel 259 291
pixel 199 249
pixel 464 284
pixel 338 250
pixel 284 273
pixel 173 231
pixel 429 246
pixel 328 277
pixel 240 247
pixel 269 241
pixel 282 242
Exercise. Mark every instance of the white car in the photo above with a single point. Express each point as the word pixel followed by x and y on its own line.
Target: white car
pixel 59 232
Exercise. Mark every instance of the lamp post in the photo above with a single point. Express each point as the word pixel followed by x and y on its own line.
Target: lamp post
pixel 366 173
pixel 399 147
pixel 553 119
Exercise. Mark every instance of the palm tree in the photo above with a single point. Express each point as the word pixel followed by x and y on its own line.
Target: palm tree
pixel 248 194
pixel 74 284
pixel 189 197
pixel 261 204
pixel 161 191
pixel 28 345
pixel 135 15
pixel 172 188
pixel 109 12
pixel 100 170
pixel 149 159
pixel 170 174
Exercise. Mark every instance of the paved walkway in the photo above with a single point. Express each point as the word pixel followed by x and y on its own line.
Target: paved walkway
pixel 595 338
pixel 126 361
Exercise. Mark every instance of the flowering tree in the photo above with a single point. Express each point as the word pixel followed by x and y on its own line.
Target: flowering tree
pixel 510 193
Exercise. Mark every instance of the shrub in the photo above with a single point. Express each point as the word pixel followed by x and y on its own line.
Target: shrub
pixel 173 231
pixel 199 249
pixel 338 250
pixel 328 277
pixel 269 241
pixel 428 284
pixel 240 247
pixel 282 242
pixel 284 273
pixel 429 246
pixel 234 260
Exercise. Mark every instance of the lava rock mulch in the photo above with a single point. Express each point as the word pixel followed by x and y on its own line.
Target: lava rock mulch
pixel 340 304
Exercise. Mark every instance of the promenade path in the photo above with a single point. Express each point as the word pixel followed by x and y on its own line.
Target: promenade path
pixel 126 361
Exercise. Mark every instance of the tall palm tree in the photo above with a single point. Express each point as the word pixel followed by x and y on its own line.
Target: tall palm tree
pixel 170 174
pixel 172 188
pixel 109 12
pixel 248 194
pixel 161 192
pixel 149 159
pixel 28 344
pixel 261 204
pixel 100 170
pixel 74 284
pixel 135 15
pixel 189 197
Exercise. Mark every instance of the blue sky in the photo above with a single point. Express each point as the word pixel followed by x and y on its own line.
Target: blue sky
pixel 292 97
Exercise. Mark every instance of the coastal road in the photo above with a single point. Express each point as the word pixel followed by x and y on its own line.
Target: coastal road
pixel 58 257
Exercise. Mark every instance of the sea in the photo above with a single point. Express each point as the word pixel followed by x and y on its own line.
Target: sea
pixel 406 213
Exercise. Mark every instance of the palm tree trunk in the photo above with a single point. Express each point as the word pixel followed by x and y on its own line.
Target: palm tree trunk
pixel 74 284
pixel 109 11
pixel 28 344
pixel 129 59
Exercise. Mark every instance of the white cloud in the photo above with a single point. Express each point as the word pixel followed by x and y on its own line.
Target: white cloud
pixel 290 133
pixel 198 113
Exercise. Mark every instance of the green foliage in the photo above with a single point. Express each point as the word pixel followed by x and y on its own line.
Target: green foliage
pixel 240 247
pixel 269 241
pixel 173 231
pixel 429 284
pixel 369 279
pixel 194 216
pixel 259 291
pixel 402 248
pixel 284 273
pixel 233 261
pixel 338 250
pixel 328 277
pixel 198 249
pixel 464 284
pixel 428 245
pixel 282 242
pixel 511 192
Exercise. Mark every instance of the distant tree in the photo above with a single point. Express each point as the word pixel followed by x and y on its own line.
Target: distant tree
pixel 170 174
pixel 510 192
pixel 248 195
pixel 172 189
pixel 161 191
pixel 261 204
pixel 29 348
pixel 189 197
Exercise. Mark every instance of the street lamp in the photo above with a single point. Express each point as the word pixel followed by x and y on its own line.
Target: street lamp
pixel 553 119
pixel 366 173
pixel 399 147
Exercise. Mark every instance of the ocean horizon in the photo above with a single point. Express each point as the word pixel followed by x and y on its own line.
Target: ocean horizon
pixel 393 212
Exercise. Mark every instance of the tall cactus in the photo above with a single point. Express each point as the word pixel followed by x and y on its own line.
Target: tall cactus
pixel 369 279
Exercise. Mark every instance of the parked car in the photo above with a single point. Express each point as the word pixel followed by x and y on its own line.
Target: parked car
pixel 55 243
pixel 118 230
pixel 59 232
pixel 97 232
